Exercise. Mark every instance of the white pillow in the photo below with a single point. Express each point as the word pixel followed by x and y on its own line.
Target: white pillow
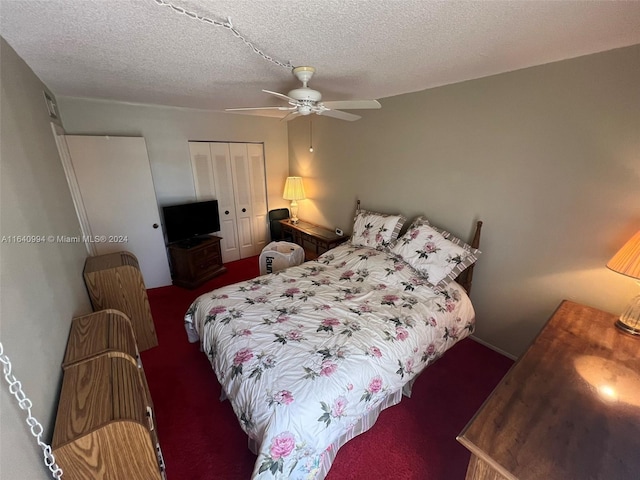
pixel 375 230
pixel 434 253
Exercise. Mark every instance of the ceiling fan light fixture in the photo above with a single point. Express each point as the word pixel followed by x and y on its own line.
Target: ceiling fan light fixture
pixel 305 93
pixel 305 101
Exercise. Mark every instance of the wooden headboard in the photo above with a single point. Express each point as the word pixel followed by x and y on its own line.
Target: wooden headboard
pixel 466 278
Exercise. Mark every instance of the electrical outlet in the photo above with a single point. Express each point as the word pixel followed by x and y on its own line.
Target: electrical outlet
pixel 338 231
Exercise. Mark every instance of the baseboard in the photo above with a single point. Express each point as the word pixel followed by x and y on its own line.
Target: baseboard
pixel 494 348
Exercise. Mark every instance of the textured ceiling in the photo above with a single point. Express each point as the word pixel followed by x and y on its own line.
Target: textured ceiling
pixel 143 52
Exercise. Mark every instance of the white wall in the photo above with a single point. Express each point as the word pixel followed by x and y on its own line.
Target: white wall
pixel 548 157
pixel 41 284
pixel 167 131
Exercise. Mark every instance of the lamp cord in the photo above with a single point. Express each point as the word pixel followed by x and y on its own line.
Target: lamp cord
pixel 15 387
pixel 229 26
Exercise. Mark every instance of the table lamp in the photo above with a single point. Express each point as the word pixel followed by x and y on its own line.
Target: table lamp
pixel 294 191
pixel 627 262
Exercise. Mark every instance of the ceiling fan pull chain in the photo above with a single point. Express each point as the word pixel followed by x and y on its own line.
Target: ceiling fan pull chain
pixel 229 26
pixel 15 387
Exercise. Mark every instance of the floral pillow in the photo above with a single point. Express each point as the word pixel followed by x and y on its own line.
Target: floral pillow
pixel 434 253
pixel 375 230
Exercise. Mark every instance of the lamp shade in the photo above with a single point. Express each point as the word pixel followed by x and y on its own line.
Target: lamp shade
pixel 627 260
pixel 293 189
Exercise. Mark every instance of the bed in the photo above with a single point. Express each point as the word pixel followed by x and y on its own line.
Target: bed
pixel 309 356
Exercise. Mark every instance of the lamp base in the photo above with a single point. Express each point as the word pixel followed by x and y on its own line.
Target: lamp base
pixel 626 328
pixel 294 212
pixel 629 321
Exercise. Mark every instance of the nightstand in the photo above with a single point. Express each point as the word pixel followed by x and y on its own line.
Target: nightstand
pixel 315 240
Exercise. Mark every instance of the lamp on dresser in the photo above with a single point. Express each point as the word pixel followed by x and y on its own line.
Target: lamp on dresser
pixel 627 262
pixel 294 191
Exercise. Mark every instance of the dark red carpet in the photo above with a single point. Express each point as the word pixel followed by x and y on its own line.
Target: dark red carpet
pixel 201 438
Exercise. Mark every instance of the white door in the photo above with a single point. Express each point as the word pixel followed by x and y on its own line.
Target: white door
pixel 116 187
pixel 223 179
pixel 258 178
pixel 202 171
pixel 242 189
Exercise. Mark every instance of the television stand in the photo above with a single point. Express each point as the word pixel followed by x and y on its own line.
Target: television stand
pixel 193 264
pixel 191 242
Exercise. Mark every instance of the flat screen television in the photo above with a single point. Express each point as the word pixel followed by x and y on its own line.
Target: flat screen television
pixel 187 221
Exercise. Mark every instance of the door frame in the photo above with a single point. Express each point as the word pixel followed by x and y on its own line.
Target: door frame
pixel 74 188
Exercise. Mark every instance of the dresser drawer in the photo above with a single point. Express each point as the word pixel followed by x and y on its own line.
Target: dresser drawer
pixel 192 266
pixel 209 264
pixel 206 253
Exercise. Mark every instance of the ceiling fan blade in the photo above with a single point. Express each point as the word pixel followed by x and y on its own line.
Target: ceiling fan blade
pixel 260 113
pixel 257 108
pixel 289 116
pixel 281 95
pixel 341 115
pixel 352 104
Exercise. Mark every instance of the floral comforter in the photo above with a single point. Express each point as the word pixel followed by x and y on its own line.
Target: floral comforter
pixel 304 354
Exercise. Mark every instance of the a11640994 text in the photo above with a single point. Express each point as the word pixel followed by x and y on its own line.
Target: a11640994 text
pixel 32 239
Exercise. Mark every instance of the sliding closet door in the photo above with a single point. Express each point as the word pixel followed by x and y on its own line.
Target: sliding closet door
pixel 258 180
pixel 223 178
pixel 212 179
pixel 202 171
pixel 242 188
pixel 235 175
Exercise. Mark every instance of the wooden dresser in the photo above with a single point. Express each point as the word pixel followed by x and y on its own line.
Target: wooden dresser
pixel 569 409
pixel 105 426
pixel 315 240
pixel 193 265
pixel 114 281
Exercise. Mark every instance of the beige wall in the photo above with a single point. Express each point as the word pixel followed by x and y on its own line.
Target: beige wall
pixel 167 131
pixel 548 157
pixel 41 284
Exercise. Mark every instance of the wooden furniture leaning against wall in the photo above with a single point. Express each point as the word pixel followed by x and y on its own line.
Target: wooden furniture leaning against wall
pixel 104 332
pixel 568 409
pixel 105 426
pixel 114 281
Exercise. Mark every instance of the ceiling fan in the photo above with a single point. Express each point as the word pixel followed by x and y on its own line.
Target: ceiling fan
pixel 305 101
